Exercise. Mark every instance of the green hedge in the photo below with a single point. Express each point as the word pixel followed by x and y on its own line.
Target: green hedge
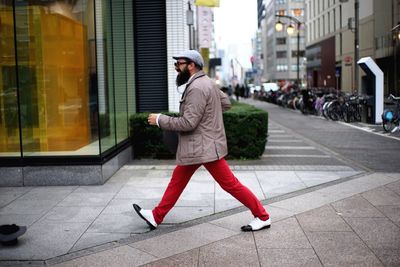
pixel 246 130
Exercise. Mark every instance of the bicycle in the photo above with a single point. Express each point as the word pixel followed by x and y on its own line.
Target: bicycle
pixel 390 117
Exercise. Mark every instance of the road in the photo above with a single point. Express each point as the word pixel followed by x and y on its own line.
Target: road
pixel 321 141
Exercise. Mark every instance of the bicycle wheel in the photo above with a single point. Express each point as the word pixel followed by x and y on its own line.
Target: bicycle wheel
pixel 347 113
pixel 334 111
pixel 388 120
pixel 388 125
pixel 357 114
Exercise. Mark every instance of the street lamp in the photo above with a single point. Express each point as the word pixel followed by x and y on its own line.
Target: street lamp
pixel 189 23
pixel 290 30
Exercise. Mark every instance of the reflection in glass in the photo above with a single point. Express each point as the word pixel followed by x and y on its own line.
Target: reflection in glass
pixel 9 123
pixel 57 74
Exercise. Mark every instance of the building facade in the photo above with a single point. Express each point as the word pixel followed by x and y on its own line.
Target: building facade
pixel 71 75
pixel 281 48
pixel 331 41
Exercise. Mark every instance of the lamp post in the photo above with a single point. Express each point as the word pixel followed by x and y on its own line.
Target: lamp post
pixel 356 40
pixel 189 23
pixel 290 30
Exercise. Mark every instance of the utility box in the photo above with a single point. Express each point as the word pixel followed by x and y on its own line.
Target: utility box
pixel 375 88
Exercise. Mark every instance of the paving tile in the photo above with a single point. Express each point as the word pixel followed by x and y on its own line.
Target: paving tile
pixel 376 232
pixel 124 205
pixel 120 256
pixel 355 186
pixel 184 214
pixel 395 187
pixel 234 222
pixel 284 234
pixel 392 212
pixel 304 202
pixel 185 259
pixel 393 175
pixel 238 250
pixel 274 183
pixel 140 193
pixel 44 240
pixel 195 198
pixel 127 222
pixel 88 240
pixel 86 199
pixel 54 193
pixel 389 257
pixel 356 206
pixel 226 204
pixel 73 214
pixel 288 257
pixel 28 207
pixel 382 196
pixel 9 194
pixel 310 178
pixel 183 240
pixel 6 199
pixel 148 181
pixel 19 219
pixel 110 188
pixel 342 249
pixel 322 219
pixel 15 190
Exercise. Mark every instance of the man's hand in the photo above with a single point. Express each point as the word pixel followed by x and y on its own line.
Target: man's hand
pixel 152 119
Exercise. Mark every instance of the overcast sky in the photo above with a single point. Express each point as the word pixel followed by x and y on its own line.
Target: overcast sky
pixel 235 24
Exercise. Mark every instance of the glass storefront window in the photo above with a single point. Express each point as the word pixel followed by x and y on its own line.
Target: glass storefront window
pixel 67 84
pixel 9 123
pixel 57 74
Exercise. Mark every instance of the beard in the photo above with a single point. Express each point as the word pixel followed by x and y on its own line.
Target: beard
pixel 182 77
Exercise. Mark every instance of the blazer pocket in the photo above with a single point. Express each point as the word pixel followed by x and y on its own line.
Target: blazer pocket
pixel 192 146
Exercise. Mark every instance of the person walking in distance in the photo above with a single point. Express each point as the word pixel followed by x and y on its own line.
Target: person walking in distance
pixel 202 141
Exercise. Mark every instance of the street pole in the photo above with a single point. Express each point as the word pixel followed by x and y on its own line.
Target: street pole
pixel 298 54
pixel 298 24
pixel 189 22
pixel 356 45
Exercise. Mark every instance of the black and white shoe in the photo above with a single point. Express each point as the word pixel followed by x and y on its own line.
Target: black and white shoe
pixel 256 225
pixel 146 215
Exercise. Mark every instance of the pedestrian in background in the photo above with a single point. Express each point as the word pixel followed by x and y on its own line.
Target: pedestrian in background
pixel 202 141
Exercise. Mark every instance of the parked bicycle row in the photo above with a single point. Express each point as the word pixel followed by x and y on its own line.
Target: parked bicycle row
pixel 327 102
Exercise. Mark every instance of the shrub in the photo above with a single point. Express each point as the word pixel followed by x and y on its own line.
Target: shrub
pixel 246 130
pixel 245 126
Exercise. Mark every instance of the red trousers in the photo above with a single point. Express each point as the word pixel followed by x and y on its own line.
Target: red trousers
pixel 222 174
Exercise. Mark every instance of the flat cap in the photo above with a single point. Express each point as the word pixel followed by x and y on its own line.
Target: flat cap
pixel 191 55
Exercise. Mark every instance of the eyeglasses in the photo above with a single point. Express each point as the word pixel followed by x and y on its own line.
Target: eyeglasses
pixel 177 64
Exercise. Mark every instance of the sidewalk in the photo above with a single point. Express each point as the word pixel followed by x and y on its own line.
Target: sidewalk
pixel 356 222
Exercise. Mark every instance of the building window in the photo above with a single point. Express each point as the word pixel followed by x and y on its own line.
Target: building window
pixel 294 53
pixel 334 19
pixel 281 54
pixel 297 12
pixel 281 67
pixel 319 28
pixel 281 12
pixel 293 40
pixel 281 41
pixel 280 2
pixel 329 22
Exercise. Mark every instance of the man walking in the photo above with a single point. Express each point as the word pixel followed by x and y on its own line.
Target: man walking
pixel 202 141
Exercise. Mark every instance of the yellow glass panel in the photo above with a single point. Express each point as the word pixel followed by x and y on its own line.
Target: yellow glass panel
pixel 9 125
pixel 58 58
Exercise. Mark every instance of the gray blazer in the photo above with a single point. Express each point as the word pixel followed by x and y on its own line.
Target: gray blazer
pixel 200 124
